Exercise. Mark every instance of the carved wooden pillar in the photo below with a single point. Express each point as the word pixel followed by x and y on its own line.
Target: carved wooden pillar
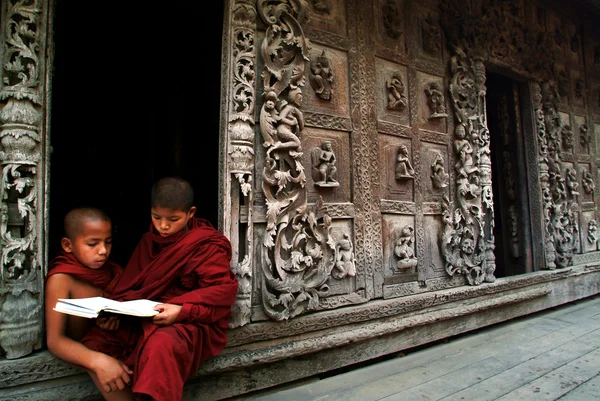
pixel 23 150
pixel 239 194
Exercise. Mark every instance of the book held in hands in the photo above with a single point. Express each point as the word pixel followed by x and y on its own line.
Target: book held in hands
pixel 92 307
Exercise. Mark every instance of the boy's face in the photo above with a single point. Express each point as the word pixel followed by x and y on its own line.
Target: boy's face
pixel 171 221
pixel 92 245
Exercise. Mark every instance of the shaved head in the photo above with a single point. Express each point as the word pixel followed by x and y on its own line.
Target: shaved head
pixel 76 219
pixel 172 193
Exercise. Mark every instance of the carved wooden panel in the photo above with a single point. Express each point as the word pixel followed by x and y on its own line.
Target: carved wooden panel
pixel 397 171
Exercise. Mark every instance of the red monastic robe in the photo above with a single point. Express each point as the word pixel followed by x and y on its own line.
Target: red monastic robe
pixel 190 269
pixel 67 263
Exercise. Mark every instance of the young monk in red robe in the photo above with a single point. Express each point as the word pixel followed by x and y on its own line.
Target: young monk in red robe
pixel 184 263
pixel 82 270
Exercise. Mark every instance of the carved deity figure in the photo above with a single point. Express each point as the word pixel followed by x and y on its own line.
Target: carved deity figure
pixel 435 98
pixel 404 169
pixel 571 182
pixel 321 77
pixel 345 263
pixel 465 165
pixel 395 87
pixel 431 36
pixel 567 137
pixel 584 136
pixel 290 124
pixel 587 182
pixel 439 177
pixel 324 168
pixel 404 251
pixel 592 235
pixel 392 19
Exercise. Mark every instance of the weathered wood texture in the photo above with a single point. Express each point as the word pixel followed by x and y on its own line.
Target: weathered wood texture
pixel 545 356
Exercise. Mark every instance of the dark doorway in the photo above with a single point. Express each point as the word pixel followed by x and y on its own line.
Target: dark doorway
pixel 135 97
pixel 511 202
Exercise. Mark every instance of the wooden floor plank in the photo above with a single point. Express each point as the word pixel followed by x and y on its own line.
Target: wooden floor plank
pixel 588 391
pixel 559 382
pixel 511 378
pixel 474 366
pixel 525 362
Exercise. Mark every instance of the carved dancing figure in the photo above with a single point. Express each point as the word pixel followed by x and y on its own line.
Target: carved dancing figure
pixel 396 98
pixel 592 236
pixel 436 101
pixel 571 182
pixel 465 165
pixel 431 35
pixel 439 177
pixel 321 77
pixel 290 124
pixel 404 169
pixel 404 251
pixel 324 169
pixel 584 136
pixel 345 263
pixel 567 137
pixel 588 182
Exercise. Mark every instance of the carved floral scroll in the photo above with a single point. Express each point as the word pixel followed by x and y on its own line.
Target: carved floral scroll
pixel 21 188
pixel 299 252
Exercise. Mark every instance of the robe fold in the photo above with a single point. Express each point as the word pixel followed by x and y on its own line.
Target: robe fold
pixel 66 263
pixel 191 269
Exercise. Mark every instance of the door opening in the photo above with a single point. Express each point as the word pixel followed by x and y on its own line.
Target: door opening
pixel 509 178
pixel 131 103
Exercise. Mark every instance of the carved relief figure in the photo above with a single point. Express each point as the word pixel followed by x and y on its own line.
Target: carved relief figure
pixel 584 136
pixel 321 77
pixel 407 262
pixel 291 124
pixel 465 165
pixel 563 83
pixel 392 19
pixel 579 85
pixel 439 177
pixel 324 169
pixel 592 236
pixel 571 181
pixel 435 98
pixel 404 169
pixel 345 263
pixel 396 98
pixel 588 182
pixel 567 138
pixel 431 36
pixel 322 5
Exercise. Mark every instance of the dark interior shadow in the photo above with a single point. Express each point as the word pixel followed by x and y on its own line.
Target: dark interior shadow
pixel 135 97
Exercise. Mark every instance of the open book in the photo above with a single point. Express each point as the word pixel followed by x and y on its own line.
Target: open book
pixel 92 307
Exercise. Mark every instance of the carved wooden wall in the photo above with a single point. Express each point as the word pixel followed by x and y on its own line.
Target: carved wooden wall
pixel 355 151
pixel 359 149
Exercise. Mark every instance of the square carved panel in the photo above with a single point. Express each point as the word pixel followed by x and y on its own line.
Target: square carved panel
pixel 326 89
pixel 318 175
pixel 397 169
pixel 391 87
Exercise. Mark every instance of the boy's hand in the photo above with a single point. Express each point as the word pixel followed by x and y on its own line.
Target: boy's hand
pixel 108 323
pixel 167 314
pixel 112 374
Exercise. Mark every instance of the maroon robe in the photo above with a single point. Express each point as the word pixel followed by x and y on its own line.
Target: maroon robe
pixel 191 269
pixel 67 263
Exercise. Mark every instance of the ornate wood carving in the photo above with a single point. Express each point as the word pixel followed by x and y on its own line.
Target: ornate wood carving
pixel 298 249
pixel 21 188
pixel 241 144
pixel 321 77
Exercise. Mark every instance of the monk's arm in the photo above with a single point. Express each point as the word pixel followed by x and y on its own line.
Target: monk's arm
pixel 57 339
pixel 216 289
